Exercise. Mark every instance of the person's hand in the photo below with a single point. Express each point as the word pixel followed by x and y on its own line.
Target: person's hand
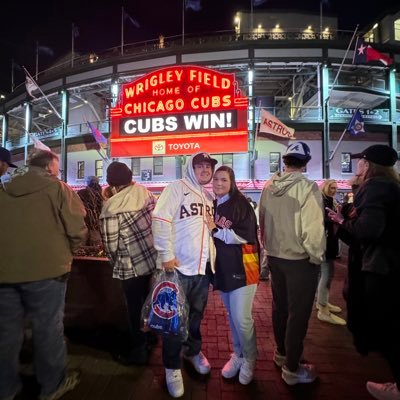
pixel 210 222
pixel 170 265
pixel 336 217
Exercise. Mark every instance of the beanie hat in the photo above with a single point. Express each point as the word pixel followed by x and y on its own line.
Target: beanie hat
pixel 118 174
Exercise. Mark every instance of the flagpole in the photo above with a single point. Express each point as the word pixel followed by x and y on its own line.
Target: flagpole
pixel 12 74
pixel 122 30
pixel 251 16
pixel 183 22
pixel 37 59
pixel 256 131
pixel 40 90
pixel 355 50
pixel 72 45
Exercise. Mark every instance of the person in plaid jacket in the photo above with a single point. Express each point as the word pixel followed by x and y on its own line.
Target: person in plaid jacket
pixel 125 224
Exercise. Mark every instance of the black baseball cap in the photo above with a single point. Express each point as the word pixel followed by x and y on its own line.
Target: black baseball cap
pixel 204 157
pixel 380 154
pixel 5 156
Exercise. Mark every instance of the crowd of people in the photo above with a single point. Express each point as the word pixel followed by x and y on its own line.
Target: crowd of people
pixel 221 239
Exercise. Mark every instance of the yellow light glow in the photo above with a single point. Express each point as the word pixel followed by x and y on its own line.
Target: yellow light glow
pixel 277 26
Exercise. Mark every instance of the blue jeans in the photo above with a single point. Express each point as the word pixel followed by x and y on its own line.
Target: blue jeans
pixel 325 281
pixel 239 304
pixel 41 303
pixel 196 292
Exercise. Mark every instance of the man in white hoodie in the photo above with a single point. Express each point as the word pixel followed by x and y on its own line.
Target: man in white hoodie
pixel 292 230
pixel 125 225
pixel 183 242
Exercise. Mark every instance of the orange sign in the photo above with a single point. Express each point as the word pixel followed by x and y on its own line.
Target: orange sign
pixel 179 110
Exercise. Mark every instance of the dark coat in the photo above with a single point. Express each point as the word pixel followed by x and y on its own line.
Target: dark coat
pixel 332 242
pixel 374 266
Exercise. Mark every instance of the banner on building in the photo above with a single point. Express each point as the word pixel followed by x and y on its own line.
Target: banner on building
pixel 270 124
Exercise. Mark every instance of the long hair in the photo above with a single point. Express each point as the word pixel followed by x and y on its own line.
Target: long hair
pixel 240 204
pixel 375 170
pixel 326 186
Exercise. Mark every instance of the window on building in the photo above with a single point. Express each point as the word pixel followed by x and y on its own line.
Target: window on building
pixel 346 163
pixel 274 162
pixel 369 36
pixel 98 168
pixel 397 29
pixel 80 173
pixel 158 166
pixel 135 166
pixel 227 159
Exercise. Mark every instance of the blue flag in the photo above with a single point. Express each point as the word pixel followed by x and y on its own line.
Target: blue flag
pixel 98 136
pixel 194 5
pixel 356 124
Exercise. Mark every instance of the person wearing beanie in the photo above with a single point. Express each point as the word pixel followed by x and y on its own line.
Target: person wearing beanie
pixel 292 229
pixel 184 243
pixel 374 319
pixel 125 225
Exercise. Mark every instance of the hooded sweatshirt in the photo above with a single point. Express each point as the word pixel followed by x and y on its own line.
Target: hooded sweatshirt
pixel 292 218
pixel 125 224
pixel 179 224
pixel 42 222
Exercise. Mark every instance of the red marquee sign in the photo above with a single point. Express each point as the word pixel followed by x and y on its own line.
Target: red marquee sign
pixel 179 110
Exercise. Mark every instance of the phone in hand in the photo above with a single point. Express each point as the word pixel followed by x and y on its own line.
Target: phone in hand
pixel 329 210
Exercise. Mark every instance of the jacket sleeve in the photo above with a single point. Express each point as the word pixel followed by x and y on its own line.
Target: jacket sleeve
pixel 261 211
pixel 109 228
pixel 163 217
pixel 312 225
pixel 72 213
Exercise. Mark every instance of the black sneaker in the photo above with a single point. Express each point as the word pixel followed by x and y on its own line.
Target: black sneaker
pixel 69 383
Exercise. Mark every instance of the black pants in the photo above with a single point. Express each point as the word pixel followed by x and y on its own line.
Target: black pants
pixel 294 283
pixel 136 291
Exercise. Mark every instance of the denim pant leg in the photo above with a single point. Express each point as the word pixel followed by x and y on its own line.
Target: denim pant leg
pixel 136 291
pixel 325 280
pixel 44 304
pixel 196 292
pixel 239 304
pixel 11 338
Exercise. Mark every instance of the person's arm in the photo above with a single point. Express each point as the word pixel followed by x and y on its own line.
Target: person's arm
pixel 261 210
pixel 109 228
pixel 72 213
pixel 163 215
pixel 312 224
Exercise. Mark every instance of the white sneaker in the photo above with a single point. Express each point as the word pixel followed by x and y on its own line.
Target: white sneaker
pixel 199 362
pixel 304 374
pixel 383 391
pixel 246 371
pixel 279 359
pixel 174 382
pixel 331 318
pixel 331 308
pixel 232 367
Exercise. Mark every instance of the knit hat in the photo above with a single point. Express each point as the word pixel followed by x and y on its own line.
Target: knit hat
pixel 118 174
pixel 380 154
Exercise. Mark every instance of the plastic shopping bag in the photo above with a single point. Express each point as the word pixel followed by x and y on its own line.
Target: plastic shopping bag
pixel 165 310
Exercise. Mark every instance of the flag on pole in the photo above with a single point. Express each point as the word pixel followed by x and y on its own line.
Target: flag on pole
pixel 356 124
pixel 31 86
pixel 37 144
pixel 194 5
pixel 364 53
pixel 270 124
pixel 131 20
pixel 98 136
pixel 75 31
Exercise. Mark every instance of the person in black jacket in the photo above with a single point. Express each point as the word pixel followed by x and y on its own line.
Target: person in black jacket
pixel 325 308
pixel 234 229
pixel 374 226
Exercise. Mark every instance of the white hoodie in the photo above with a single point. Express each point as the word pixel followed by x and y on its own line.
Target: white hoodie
pixel 292 218
pixel 179 224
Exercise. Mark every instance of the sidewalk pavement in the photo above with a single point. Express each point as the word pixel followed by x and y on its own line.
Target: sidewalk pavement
pixel 342 372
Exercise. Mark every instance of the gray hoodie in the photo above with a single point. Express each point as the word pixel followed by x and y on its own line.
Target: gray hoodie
pixel 292 218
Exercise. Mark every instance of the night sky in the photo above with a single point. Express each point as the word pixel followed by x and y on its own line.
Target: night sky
pixel 49 23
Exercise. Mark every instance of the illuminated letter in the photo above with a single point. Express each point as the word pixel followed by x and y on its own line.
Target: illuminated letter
pixel 171 124
pixel 129 126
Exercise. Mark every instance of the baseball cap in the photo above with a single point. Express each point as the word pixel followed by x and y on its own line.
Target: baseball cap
pixel 299 150
pixel 380 154
pixel 5 156
pixel 204 157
